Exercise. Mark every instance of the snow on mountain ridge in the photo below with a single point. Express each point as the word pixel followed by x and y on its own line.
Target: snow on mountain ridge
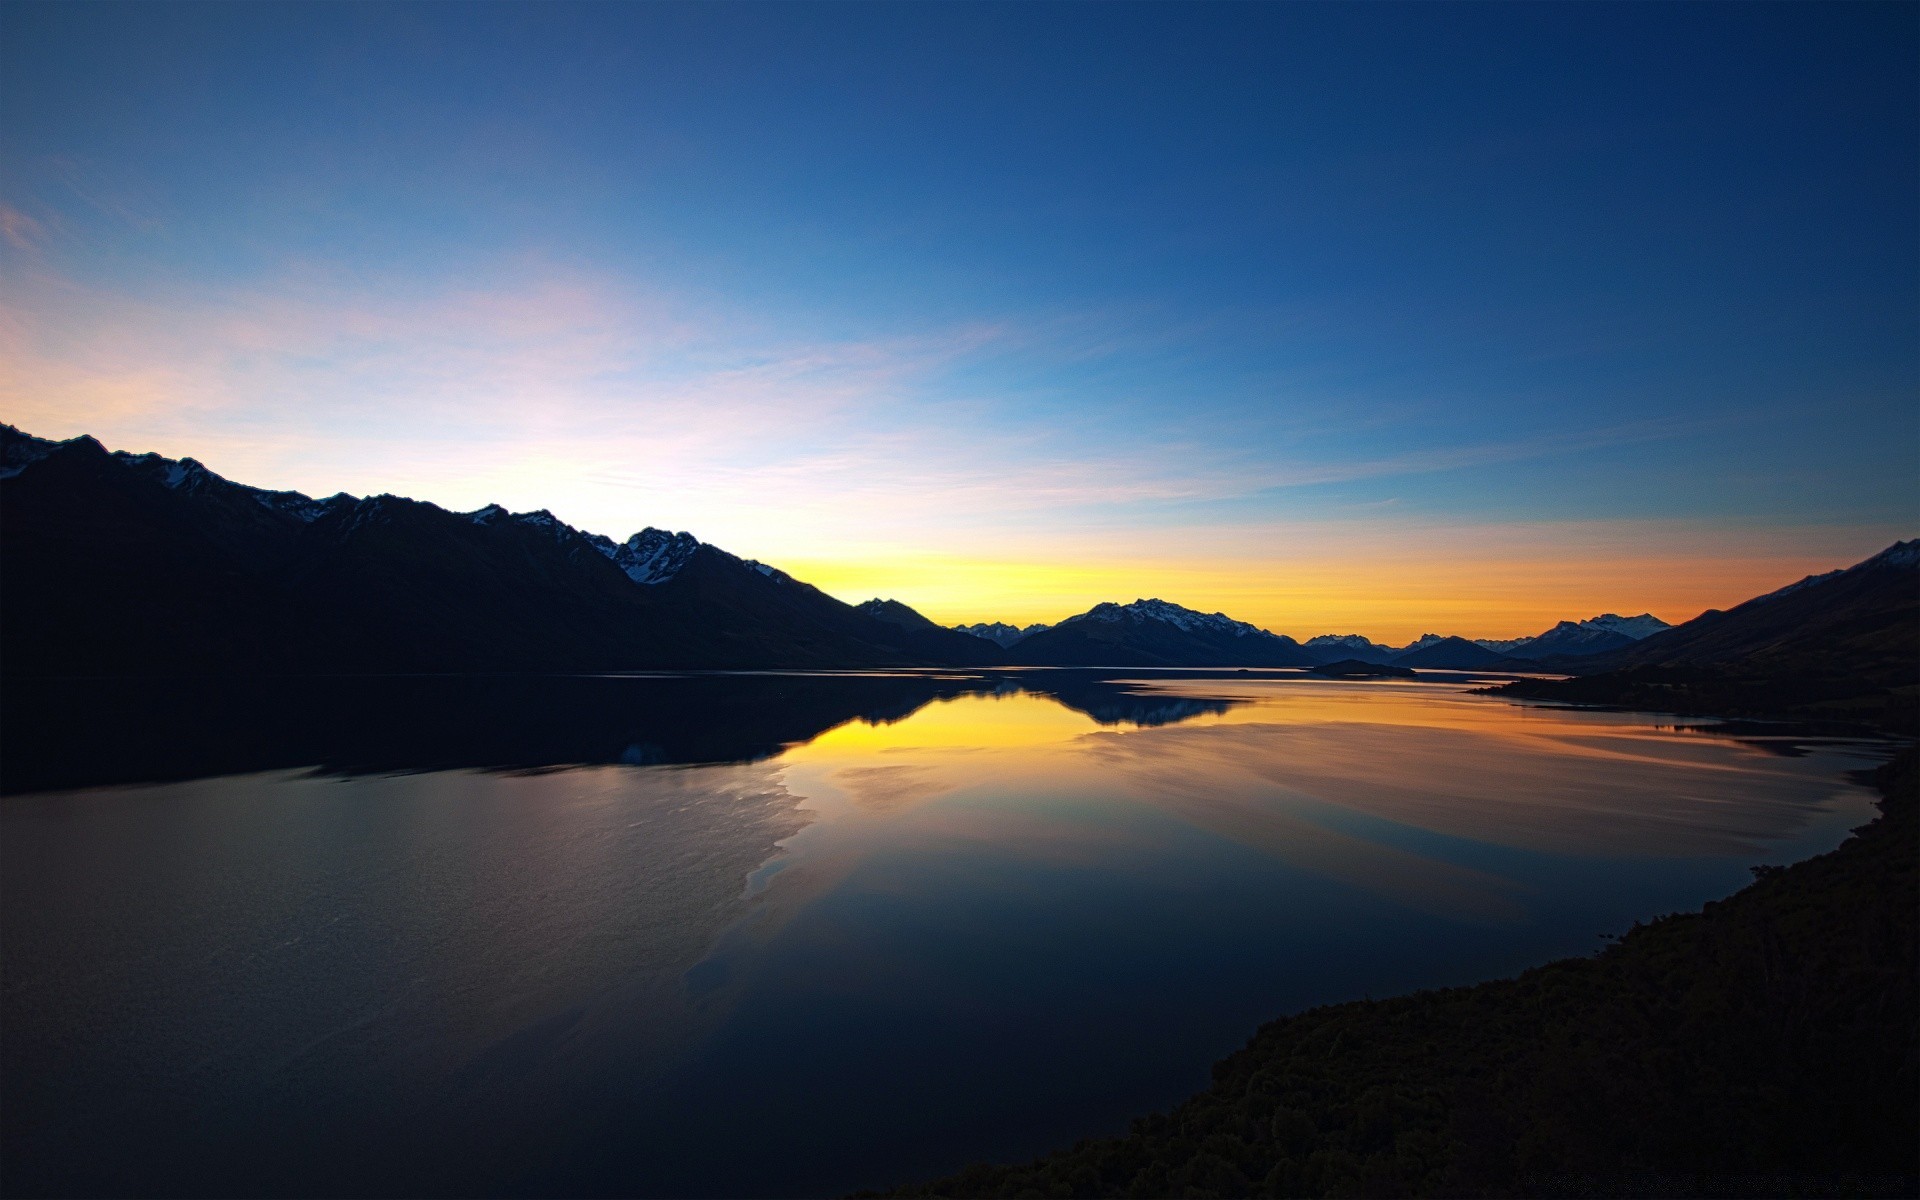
pixel 1182 618
pixel 1001 633
pixel 1643 626
pixel 1900 554
pixel 1569 636
pixel 652 556
pixel 1345 641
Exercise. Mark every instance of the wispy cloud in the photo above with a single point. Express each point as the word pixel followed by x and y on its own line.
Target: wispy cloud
pixel 878 464
pixel 19 230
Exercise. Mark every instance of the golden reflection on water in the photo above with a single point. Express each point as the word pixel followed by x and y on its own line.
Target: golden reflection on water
pixel 1338 778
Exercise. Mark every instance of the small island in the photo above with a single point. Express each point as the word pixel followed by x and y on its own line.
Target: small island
pixel 1353 668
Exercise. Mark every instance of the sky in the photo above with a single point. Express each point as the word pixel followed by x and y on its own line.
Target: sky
pixel 1339 318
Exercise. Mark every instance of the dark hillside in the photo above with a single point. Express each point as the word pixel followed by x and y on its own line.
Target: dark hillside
pixel 1844 646
pixel 1860 621
pixel 1766 1045
pixel 116 564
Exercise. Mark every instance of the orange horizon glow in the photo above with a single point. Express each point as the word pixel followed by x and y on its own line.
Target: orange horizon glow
pixel 1392 603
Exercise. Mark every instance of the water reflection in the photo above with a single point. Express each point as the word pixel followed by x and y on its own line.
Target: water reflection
pixel 821 932
pixel 67 733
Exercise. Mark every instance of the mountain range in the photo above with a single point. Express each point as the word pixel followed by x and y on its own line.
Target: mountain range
pixel 135 564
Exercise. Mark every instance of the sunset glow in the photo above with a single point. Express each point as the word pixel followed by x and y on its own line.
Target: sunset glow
pixel 673 306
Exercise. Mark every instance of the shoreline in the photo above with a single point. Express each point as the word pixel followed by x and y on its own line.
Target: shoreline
pixel 1764 1044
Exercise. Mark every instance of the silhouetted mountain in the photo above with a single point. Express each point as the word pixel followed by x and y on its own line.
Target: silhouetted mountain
pixel 120 564
pixel 1000 633
pixel 1338 647
pixel 1154 633
pixel 895 613
pixel 1595 635
pixel 1571 638
pixel 1842 645
pixel 935 642
pixel 1459 654
pixel 1861 621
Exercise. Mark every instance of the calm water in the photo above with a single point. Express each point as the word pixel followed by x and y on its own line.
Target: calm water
pixel 782 934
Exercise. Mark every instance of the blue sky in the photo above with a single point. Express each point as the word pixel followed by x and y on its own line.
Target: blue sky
pixel 1365 317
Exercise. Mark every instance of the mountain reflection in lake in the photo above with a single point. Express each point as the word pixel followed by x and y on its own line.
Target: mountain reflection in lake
pixel 779 934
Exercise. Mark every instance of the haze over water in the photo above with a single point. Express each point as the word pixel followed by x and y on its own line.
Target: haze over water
pixel 994 914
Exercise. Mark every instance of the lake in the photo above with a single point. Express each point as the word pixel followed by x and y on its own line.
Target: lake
pixel 782 934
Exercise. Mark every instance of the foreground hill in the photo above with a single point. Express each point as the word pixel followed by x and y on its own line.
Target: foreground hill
pixel 119 564
pixel 1155 633
pixel 1843 645
pixel 1858 620
pixel 1767 1045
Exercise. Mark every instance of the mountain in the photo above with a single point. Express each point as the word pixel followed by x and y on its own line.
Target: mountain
pixel 936 641
pixel 1000 633
pixel 1458 654
pixel 1595 635
pixel 1840 645
pixel 124 564
pixel 1155 633
pixel 1643 626
pixel 1574 638
pixel 1337 647
pixel 895 613
pixel 1860 620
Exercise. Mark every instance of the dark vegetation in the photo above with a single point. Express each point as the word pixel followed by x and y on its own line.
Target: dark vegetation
pixel 1766 1045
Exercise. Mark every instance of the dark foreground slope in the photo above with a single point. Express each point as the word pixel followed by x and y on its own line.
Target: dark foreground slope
pixel 1767 1045
pixel 1841 646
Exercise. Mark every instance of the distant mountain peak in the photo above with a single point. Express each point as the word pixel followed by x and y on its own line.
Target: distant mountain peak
pixel 652 556
pixel 1179 616
pixel 893 612
pixel 1156 632
pixel 1000 633
pixel 1342 639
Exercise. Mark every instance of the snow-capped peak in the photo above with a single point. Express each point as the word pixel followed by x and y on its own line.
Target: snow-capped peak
pixel 1001 633
pixel 1643 626
pixel 651 556
pixel 1345 641
pixel 1172 614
